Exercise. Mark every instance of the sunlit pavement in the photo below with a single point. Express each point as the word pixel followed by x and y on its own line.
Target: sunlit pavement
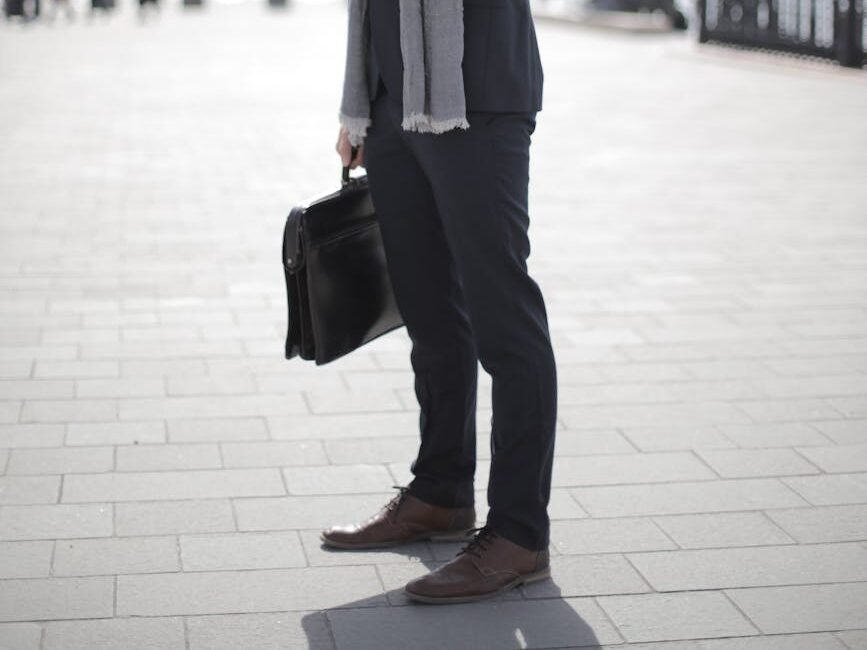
pixel 699 230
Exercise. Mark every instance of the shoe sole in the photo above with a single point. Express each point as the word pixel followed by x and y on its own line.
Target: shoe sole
pixel 451 536
pixel 447 600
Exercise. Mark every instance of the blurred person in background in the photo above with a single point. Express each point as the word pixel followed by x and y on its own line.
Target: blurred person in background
pixel 147 7
pixel 21 10
pixel 105 7
pixel 441 96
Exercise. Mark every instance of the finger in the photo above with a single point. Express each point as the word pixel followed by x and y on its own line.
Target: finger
pixel 344 153
pixel 359 157
pixel 342 147
pixel 353 156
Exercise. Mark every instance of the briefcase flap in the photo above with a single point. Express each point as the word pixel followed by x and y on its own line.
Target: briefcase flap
pixel 343 211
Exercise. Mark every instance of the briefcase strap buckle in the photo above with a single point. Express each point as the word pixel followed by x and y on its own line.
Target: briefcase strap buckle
pixel 292 251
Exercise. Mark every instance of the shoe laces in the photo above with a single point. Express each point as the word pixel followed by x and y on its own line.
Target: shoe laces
pixel 394 505
pixel 483 536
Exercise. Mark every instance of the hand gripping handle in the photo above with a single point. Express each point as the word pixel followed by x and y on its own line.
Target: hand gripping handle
pixel 345 176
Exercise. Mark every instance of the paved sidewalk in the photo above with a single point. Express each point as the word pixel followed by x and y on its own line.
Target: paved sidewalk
pixel 700 234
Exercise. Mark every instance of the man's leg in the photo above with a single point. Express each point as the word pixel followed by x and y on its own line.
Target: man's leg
pixel 480 181
pixel 430 300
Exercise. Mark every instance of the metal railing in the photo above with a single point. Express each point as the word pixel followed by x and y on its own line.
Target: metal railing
pixel 831 29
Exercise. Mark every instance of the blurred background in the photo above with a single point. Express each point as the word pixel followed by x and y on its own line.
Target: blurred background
pixel 699 231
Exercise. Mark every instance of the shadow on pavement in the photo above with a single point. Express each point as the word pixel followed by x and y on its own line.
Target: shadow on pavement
pixel 390 621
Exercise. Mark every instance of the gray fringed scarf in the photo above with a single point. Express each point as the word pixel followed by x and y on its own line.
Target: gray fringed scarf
pixel 432 46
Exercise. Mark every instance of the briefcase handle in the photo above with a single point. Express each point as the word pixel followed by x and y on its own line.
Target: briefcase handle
pixel 345 177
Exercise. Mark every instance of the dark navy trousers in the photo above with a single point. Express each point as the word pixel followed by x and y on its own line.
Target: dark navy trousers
pixel 453 213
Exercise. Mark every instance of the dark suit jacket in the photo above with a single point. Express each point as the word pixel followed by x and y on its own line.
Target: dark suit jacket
pixel 501 64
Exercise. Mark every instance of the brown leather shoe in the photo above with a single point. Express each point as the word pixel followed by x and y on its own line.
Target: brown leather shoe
pixel 487 566
pixel 404 519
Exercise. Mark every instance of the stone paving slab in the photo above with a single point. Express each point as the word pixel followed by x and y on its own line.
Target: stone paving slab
pixel 687 614
pixel 107 634
pixel 266 631
pixel 803 608
pixel 699 233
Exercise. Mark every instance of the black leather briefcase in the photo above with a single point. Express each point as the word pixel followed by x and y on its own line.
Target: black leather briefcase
pixel 338 290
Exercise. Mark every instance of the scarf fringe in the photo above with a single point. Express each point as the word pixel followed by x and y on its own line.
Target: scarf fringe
pixel 424 123
pixel 357 127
